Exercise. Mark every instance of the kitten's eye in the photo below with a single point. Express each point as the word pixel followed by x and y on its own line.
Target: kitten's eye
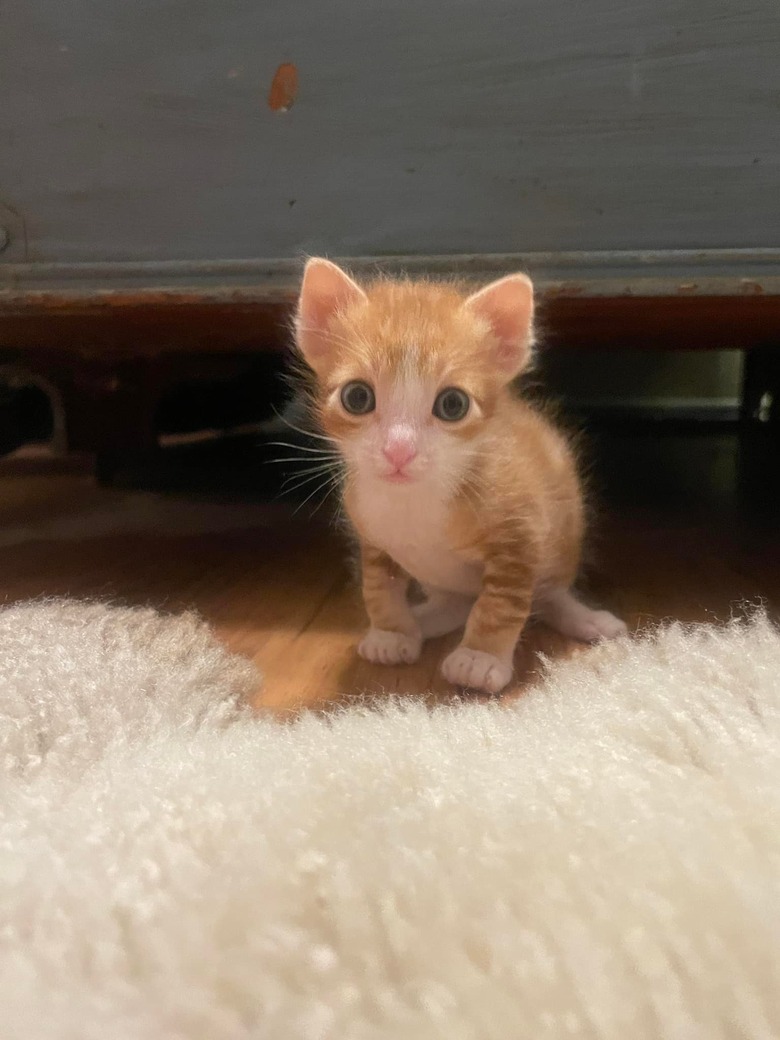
pixel 357 398
pixel 451 404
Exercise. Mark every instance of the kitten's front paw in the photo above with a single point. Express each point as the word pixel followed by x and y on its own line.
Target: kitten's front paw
pixel 382 647
pixel 476 670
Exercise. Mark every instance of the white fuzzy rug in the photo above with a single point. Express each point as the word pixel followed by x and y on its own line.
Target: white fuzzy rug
pixel 600 859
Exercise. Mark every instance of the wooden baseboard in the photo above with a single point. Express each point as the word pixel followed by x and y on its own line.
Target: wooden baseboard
pixel 109 365
pixel 149 326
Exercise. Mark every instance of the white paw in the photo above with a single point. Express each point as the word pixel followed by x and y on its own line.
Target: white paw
pixel 476 670
pixel 598 625
pixel 561 609
pixel 382 647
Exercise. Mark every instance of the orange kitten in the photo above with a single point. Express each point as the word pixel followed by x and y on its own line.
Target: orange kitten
pixel 450 479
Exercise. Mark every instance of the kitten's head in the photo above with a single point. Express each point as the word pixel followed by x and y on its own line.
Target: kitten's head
pixel 409 373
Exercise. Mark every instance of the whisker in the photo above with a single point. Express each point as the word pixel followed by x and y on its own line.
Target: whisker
pixel 300 429
pixel 295 444
pixel 287 485
pixel 293 488
pixel 315 467
pixel 331 473
pixel 313 460
pixel 329 460
pixel 325 499
pixel 304 485
pixel 301 447
pixel 311 496
pixel 297 463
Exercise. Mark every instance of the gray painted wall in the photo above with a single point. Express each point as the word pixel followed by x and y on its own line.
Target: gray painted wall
pixel 139 130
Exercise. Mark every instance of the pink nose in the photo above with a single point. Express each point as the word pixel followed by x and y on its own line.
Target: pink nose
pixel 399 451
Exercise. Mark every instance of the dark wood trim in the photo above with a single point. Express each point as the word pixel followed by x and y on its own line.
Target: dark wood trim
pixel 142 327
pixel 665 323
pixel 111 365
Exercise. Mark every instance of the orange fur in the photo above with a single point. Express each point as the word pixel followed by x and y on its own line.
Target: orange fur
pixel 488 510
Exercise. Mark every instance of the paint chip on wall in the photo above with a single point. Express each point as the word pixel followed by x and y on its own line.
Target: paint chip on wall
pixel 284 88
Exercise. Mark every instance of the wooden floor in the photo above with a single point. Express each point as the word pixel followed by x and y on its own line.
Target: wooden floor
pixel 274 583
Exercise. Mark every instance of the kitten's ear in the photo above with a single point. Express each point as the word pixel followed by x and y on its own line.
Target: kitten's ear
pixel 325 290
pixel 508 307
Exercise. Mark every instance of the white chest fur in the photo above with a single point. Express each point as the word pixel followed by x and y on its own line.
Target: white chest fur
pixel 409 523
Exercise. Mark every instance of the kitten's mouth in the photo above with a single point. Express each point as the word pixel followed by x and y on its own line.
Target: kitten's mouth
pixel 398 477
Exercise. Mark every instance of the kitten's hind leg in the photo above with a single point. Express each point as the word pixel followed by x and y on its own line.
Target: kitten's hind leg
pixel 561 610
pixel 442 612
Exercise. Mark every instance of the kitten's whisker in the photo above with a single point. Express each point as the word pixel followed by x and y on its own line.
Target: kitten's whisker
pixel 305 432
pixel 311 496
pixel 331 460
pixel 323 478
pixel 314 460
pixel 304 484
pixel 292 491
pixel 325 498
pixel 309 469
pixel 302 447
pixel 296 461
pixel 329 477
pixel 309 475
pixel 300 429
pixel 317 453
pixel 309 461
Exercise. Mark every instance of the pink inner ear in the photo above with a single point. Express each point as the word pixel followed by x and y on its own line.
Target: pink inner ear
pixel 508 307
pixel 326 289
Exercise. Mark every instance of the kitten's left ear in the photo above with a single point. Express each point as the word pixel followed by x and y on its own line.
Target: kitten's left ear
pixel 508 307
pixel 325 290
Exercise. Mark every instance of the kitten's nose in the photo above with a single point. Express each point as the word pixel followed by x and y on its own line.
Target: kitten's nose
pixel 399 449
